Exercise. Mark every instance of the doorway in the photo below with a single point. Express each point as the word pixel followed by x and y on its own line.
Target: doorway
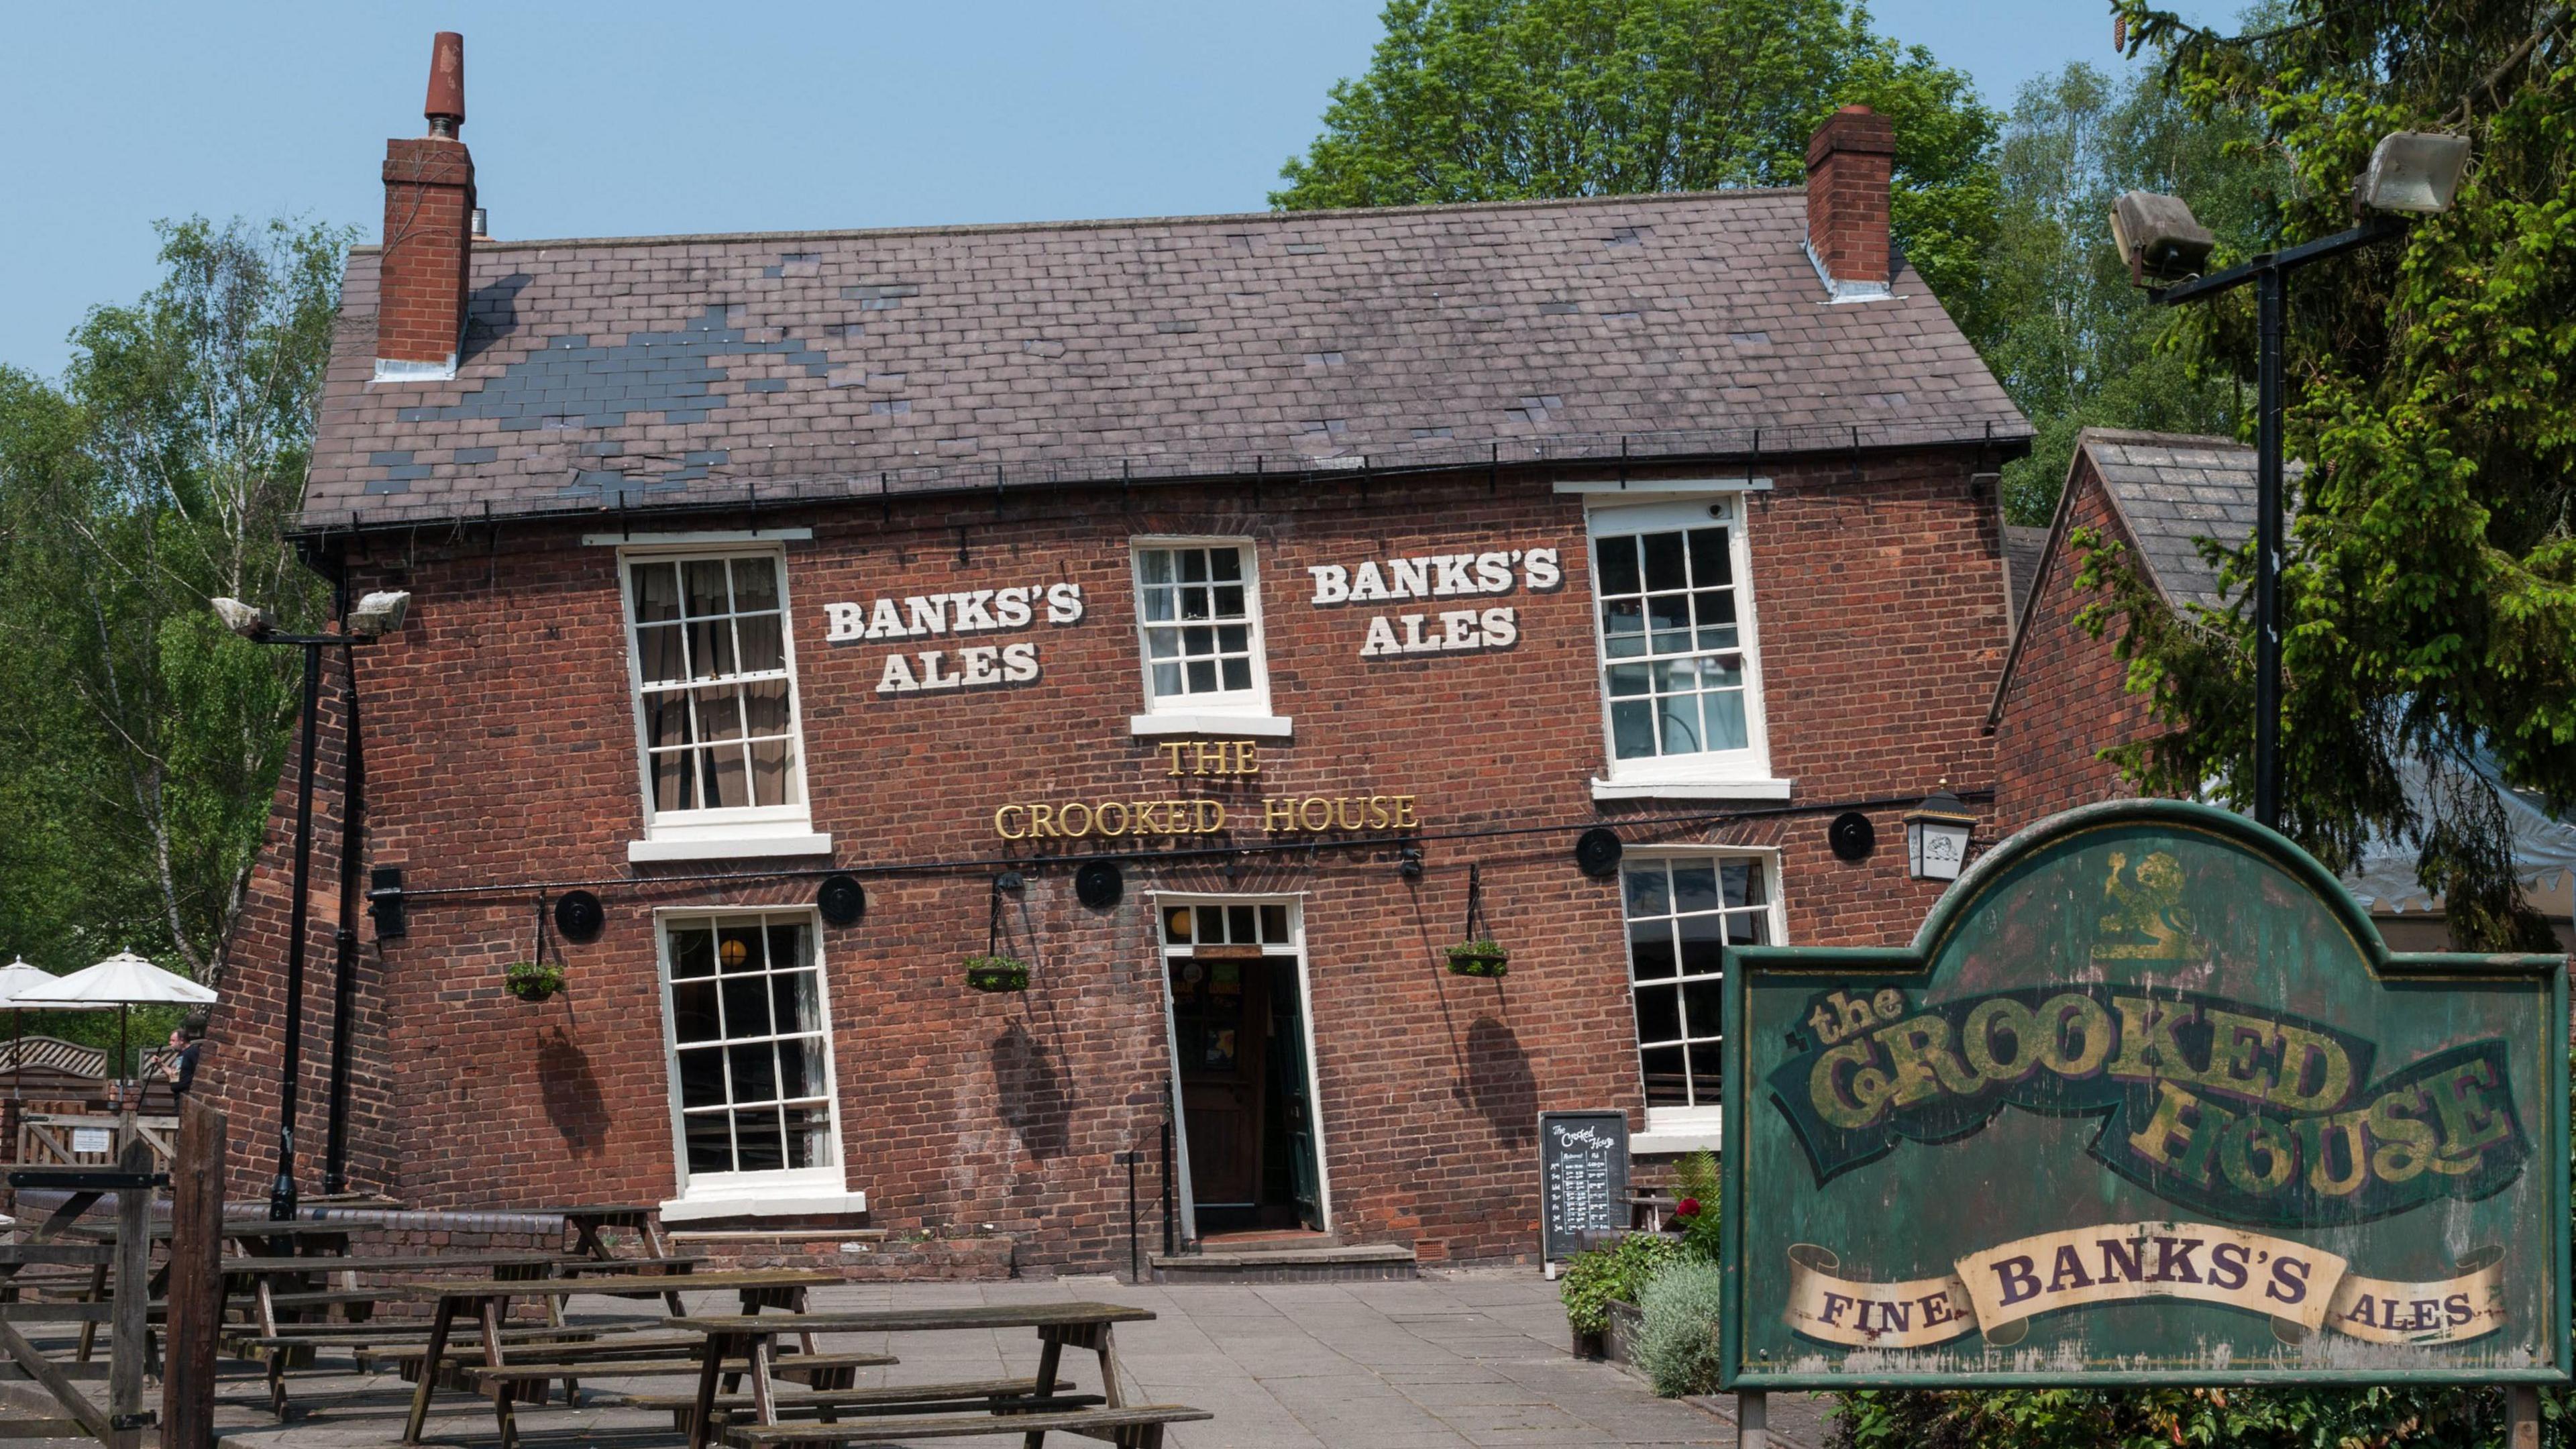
pixel 1235 993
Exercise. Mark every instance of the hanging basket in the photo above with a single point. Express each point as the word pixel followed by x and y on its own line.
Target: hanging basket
pixel 534 980
pixel 1479 954
pixel 997 973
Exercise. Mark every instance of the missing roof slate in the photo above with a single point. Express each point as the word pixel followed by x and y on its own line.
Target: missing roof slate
pixel 578 383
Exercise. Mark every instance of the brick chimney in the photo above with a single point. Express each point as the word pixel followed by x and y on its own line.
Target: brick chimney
pixel 429 224
pixel 1850 162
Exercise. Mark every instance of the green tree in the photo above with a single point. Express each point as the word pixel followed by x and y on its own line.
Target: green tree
pixel 2430 591
pixel 163 469
pixel 2066 334
pixel 1501 100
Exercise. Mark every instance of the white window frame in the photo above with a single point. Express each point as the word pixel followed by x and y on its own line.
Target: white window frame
pixel 723 833
pixel 1743 774
pixel 1694 1128
pixel 1241 711
pixel 792 1191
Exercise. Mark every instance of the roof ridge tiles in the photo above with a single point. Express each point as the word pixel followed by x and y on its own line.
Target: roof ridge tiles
pixel 1115 223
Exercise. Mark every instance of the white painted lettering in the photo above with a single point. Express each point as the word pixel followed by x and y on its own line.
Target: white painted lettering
pixel 929 614
pixel 972 615
pixel 1019 663
pixel 1064 603
pixel 884 622
pixel 977 660
pixel 1453 574
pixel 1502 628
pixel 897 678
pixel 1011 607
pixel 1381 638
pixel 1368 583
pixel 1539 571
pixel 1494 573
pixel 1409 578
pixel 849 621
pixel 1332 583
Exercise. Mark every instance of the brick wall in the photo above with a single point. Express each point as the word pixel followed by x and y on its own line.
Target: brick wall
pixel 500 746
pixel 2068 700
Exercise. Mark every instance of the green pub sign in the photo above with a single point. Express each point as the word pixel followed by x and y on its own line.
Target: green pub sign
pixel 2147 1100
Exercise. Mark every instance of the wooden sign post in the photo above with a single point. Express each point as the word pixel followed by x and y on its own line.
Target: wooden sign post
pixel 2148 1101
pixel 196 1279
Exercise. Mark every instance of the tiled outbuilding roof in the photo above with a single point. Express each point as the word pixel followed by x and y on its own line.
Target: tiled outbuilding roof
pixel 2172 490
pixel 2023 545
pixel 693 370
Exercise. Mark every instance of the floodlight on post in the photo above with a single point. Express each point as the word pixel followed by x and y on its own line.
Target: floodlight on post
pixel 2410 173
pixel 2415 172
pixel 2159 238
pixel 379 613
pixel 247 620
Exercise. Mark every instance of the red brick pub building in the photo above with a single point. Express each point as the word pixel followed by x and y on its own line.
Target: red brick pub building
pixel 1198 611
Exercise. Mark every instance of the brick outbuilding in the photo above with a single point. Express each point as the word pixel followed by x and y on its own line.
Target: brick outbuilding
pixel 1198 611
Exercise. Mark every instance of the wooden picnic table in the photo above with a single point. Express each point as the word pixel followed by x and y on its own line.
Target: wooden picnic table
pixel 487 1301
pixel 1033 1407
pixel 586 1219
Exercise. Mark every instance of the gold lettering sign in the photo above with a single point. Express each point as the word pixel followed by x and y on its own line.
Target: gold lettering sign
pixel 1172 818
pixel 1997 1291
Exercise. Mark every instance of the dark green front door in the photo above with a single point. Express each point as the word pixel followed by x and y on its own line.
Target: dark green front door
pixel 1294 1088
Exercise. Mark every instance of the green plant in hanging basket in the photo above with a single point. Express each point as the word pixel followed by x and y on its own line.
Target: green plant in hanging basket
pixel 534 980
pixel 1479 958
pixel 997 973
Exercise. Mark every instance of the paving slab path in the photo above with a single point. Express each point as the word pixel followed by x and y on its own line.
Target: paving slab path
pixel 1462 1359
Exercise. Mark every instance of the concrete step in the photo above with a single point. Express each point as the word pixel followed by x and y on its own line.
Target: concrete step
pixel 1322 1263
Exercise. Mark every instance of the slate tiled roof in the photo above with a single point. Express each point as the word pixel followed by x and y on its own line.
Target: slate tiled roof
pixel 690 370
pixel 2172 490
pixel 2023 546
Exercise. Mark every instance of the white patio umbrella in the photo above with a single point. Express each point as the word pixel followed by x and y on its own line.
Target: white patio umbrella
pixel 123 980
pixel 18 977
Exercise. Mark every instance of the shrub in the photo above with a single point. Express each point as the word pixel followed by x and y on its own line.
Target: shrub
pixel 1696 1185
pixel 2280 1418
pixel 1597 1275
pixel 1677 1339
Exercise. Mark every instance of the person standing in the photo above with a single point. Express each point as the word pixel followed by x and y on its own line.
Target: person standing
pixel 185 1042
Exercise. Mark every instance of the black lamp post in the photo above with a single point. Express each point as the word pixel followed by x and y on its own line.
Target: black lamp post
pixel 376 615
pixel 2164 245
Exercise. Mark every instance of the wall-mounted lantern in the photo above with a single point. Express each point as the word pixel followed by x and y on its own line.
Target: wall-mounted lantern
pixel 1936 837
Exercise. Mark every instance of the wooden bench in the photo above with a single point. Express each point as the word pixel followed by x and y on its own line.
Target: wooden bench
pixel 986 1396
pixel 822 1371
pixel 1136 1426
pixel 577 1341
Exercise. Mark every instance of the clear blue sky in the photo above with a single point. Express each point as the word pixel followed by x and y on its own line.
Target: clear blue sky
pixel 597 119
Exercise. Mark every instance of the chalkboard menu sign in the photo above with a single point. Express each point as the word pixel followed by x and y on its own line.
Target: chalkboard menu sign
pixel 1583 1178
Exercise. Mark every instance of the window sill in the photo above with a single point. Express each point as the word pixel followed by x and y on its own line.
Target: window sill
pixel 1690 790
pixel 742 845
pixel 788 1202
pixel 1266 726
pixel 1670 1140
